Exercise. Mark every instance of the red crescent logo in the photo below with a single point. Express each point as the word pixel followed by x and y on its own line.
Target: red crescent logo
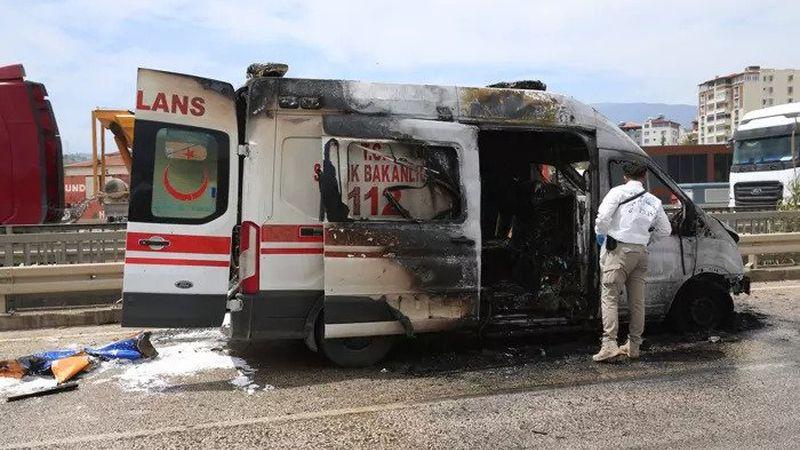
pixel 185 196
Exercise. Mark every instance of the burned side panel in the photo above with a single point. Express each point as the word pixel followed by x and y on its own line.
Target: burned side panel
pixel 717 251
pixel 374 99
pixel 666 272
pixel 424 281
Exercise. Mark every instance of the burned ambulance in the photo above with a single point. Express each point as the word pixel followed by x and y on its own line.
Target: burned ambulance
pixel 350 213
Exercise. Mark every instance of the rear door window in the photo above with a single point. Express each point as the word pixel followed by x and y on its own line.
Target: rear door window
pixel 180 174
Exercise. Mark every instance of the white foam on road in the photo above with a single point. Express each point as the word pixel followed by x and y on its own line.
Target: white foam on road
pixel 186 354
pixel 13 386
pixel 181 354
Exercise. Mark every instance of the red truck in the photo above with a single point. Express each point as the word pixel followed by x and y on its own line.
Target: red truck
pixel 31 169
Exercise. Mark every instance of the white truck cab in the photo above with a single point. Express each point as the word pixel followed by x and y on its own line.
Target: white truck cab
pixel 349 213
pixel 765 156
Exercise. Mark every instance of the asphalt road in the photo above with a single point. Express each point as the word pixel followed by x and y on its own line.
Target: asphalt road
pixel 735 388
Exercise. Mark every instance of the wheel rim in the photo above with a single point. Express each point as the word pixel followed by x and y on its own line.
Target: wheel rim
pixel 704 311
pixel 359 343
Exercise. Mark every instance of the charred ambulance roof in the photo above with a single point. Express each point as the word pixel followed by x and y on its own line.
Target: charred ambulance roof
pixel 482 106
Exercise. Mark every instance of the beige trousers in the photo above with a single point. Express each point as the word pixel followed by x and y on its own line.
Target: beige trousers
pixel 623 267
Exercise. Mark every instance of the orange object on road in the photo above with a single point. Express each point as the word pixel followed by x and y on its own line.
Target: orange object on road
pixel 12 369
pixel 66 368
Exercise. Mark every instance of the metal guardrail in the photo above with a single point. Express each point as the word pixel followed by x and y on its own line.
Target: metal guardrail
pixel 761 222
pixel 59 279
pixel 61 244
pixel 45 279
pixel 726 209
pixel 60 227
pixel 754 245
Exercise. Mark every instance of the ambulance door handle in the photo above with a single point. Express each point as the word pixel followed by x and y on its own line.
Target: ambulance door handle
pixel 155 243
pixel 463 240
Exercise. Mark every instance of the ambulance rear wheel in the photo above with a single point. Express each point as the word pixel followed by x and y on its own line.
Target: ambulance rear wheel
pixel 356 351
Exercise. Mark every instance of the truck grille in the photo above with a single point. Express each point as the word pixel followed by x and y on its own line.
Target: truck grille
pixel 758 193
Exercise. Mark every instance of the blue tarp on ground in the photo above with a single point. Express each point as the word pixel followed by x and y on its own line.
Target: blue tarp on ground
pixel 133 348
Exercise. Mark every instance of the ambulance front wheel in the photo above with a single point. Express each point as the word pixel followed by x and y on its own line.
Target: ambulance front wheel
pixel 354 352
pixel 700 305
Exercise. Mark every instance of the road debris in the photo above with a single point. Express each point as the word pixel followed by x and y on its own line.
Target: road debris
pixel 45 391
pixel 28 376
pixel 65 368
pixel 133 363
pixel 12 369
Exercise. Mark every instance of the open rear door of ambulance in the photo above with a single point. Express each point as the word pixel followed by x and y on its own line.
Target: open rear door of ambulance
pixel 402 227
pixel 183 204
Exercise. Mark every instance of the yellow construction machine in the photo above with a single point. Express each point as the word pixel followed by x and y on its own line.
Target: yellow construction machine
pixel 107 193
pixel 120 123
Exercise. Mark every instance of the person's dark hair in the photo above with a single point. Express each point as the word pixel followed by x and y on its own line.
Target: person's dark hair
pixel 634 170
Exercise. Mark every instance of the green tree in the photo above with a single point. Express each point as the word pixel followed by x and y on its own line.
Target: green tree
pixel 793 202
pixel 689 139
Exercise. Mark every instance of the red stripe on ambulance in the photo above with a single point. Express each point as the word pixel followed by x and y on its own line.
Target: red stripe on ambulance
pixel 180 243
pixel 291 239
pixel 289 233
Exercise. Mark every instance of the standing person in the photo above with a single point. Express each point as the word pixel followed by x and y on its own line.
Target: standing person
pixel 625 220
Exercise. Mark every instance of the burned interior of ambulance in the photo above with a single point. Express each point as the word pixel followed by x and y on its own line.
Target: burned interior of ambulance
pixel 535 225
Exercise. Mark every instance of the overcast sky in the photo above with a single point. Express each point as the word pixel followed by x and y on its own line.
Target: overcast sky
pixel 87 52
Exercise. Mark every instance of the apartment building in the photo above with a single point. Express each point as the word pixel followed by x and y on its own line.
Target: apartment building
pixel 632 129
pixel 723 101
pixel 661 131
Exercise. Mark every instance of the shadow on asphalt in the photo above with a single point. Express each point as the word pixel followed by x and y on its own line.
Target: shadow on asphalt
pixel 286 364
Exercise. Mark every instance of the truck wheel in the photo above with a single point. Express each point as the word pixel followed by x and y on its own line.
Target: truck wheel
pixel 700 306
pixel 353 352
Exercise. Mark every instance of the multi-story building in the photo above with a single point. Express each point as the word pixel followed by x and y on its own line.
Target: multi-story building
pixel 724 100
pixel 632 129
pixel 661 131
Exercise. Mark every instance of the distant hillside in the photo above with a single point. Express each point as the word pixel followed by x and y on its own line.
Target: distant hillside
pixel 70 158
pixel 639 112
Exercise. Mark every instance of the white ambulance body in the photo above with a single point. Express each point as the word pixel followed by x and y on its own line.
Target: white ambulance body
pixel 346 213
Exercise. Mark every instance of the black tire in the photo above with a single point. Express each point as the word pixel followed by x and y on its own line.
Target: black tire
pixel 700 306
pixel 353 352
